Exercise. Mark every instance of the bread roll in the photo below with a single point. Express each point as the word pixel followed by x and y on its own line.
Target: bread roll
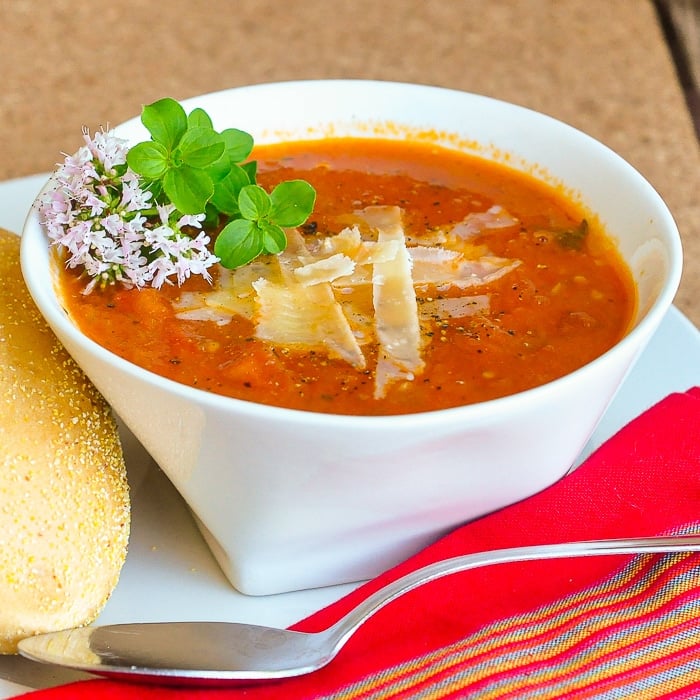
pixel 64 500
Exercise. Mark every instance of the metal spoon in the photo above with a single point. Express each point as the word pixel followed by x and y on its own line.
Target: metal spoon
pixel 228 653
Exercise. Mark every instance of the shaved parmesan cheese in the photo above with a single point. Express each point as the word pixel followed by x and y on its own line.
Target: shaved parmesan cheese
pixel 477 222
pixel 190 300
pixel 325 269
pixel 343 259
pixel 235 294
pixel 223 302
pixel 370 252
pixel 192 306
pixel 386 374
pixel 348 241
pixel 384 218
pixel 444 268
pixel 294 314
pixel 204 314
pixel 296 255
pixel 239 282
pixel 395 306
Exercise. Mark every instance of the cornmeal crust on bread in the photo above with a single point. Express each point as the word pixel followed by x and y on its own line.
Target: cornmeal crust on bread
pixel 64 499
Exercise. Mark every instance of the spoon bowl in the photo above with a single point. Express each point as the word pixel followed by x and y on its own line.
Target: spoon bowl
pixel 231 653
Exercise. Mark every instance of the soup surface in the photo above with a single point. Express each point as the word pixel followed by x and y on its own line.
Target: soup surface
pixel 510 287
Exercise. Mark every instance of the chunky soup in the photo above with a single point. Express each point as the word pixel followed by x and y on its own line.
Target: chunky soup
pixel 424 279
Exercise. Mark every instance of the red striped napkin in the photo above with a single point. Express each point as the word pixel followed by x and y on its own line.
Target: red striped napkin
pixel 622 627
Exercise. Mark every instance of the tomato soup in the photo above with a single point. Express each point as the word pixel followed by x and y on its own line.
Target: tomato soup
pixel 512 285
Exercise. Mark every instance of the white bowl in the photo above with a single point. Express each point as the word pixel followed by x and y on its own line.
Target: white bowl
pixel 289 499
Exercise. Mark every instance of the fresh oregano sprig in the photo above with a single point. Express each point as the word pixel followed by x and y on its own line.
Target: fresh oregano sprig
pixel 202 171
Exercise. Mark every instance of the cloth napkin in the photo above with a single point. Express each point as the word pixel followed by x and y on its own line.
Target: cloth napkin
pixel 612 627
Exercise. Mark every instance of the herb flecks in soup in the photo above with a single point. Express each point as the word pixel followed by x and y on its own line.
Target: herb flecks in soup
pixel 424 279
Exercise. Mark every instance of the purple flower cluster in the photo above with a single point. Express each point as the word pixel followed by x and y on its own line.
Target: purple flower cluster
pixel 99 215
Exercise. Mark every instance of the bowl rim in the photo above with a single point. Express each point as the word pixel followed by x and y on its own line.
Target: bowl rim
pixel 50 307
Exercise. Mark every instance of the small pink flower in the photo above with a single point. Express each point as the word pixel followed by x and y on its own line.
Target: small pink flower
pixel 194 220
pixel 96 204
pixel 133 197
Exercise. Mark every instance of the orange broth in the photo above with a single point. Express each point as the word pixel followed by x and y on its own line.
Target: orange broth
pixel 560 308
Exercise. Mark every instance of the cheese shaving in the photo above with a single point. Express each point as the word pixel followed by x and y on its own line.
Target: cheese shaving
pixel 476 223
pixel 348 241
pixel 295 314
pixel 325 269
pixel 444 268
pixel 395 306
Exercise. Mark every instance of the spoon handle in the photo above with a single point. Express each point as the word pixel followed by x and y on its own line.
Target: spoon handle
pixel 344 628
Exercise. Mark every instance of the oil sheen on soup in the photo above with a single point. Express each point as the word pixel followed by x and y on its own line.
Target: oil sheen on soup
pixel 424 279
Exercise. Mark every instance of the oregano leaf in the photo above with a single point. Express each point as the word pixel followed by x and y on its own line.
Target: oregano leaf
pixel 274 238
pixel 227 190
pixel 239 144
pixel 291 203
pixel 253 202
pixel 199 117
pixel 189 189
pixel 239 242
pixel 149 159
pixel 166 121
pixel 251 168
pixel 200 146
